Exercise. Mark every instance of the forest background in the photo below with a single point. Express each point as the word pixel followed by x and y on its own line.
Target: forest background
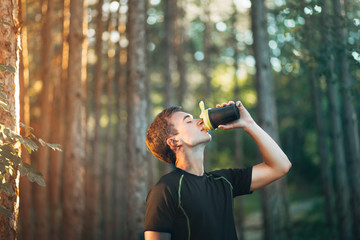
pixel 94 79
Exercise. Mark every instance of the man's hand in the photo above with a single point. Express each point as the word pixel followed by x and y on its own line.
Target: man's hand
pixel 276 164
pixel 245 117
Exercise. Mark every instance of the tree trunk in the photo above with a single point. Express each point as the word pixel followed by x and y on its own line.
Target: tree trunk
pixel 169 53
pixel 41 193
pixel 326 177
pixel 238 140
pixel 57 122
pixel 275 209
pixel 351 132
pixel 341 182
pixel 109 163
pixel 73 184
pixel 120 150
pixel 9 57
pixel 92 213
pixel 207 49
pixel 26 203
pixel 136 121
pixel 180 48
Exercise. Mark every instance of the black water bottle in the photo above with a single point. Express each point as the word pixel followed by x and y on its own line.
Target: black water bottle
pixel 213 117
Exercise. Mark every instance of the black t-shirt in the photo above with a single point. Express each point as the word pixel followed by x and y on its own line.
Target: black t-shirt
pixel 196 207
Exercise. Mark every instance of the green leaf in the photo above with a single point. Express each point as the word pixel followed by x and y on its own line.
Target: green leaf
pixel 55 147
pixel 9 68
pixel 31 173
pixel 37 177
pixel 7 151
pixel 42 142
pixel 6 23
pixel 25 126
pixel 22 169
pixel 4 160
pixel 5 212
pixel 6 188
pixel 30 144
pixel 3 95
pixel 7 132
pixel 4 105
pixel 2 167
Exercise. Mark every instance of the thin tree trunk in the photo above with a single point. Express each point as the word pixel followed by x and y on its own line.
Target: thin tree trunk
pixel 169 53
pixel 323 149
pixel 109 163
pixel 351 132
pixel 73 184
pixel 42 227
pixel 120 151
pixel 136 121
pixel 238 140
pixel 26 203
pixel 180 46
pixel 206 69
pixel 9 57
pixel 275 206
pixel 92 214
pixel 57 121
pixel 341 182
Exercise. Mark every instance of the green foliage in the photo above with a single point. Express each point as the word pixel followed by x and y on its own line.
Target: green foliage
pixel 10 156
pixel 4 68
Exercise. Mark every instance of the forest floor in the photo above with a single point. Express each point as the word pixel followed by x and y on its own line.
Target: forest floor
pixel 298 211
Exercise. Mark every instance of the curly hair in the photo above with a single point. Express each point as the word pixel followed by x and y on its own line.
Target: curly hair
pixel 158 133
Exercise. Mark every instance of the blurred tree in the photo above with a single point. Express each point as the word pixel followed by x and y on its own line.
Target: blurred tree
pixel 169 22
pixel 26 202
pixel 136 118
pixel 206 67
pixel 92 213
pixel 42 227
pixel 57 114
pixel 120 154
pixel 351 132
pixel 180 48
pixel 337 140
pixel 310 66
pixel 9 72
pixel 73 171
pixel 275 206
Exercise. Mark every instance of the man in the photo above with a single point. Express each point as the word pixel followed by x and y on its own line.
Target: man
pixel 189 203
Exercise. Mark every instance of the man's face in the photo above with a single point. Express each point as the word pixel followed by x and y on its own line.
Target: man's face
pixel 190 131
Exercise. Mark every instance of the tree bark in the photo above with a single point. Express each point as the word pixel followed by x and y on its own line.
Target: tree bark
pixel 180 48
pixel 275 206
pixel 341 182
pixel 169 53
pixel 326 177
pixel 42 227
pixel 120 148
pixel 206 69
pixel 9 57
pixel 92 213
pixel 136 121
pixel 73 184
pixel 26 203
pixel 351 132
pixel 57 122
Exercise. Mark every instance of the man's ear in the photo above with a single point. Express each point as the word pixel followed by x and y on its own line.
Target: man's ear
pixel 173 142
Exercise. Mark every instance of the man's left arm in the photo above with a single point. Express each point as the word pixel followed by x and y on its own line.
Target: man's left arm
pixel 276 164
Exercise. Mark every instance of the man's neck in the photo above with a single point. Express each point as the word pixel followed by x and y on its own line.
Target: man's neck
pixel 191 161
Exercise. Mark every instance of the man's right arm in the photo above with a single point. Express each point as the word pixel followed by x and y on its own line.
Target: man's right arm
pixel 152 235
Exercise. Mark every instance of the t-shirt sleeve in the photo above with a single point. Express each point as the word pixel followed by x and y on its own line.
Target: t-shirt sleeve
pixel 240 179
pixel 160 209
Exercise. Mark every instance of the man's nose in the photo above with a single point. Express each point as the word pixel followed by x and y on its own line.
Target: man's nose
pixel 200 121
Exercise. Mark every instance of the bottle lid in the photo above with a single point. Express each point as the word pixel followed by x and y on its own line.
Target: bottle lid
pixel 205 116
